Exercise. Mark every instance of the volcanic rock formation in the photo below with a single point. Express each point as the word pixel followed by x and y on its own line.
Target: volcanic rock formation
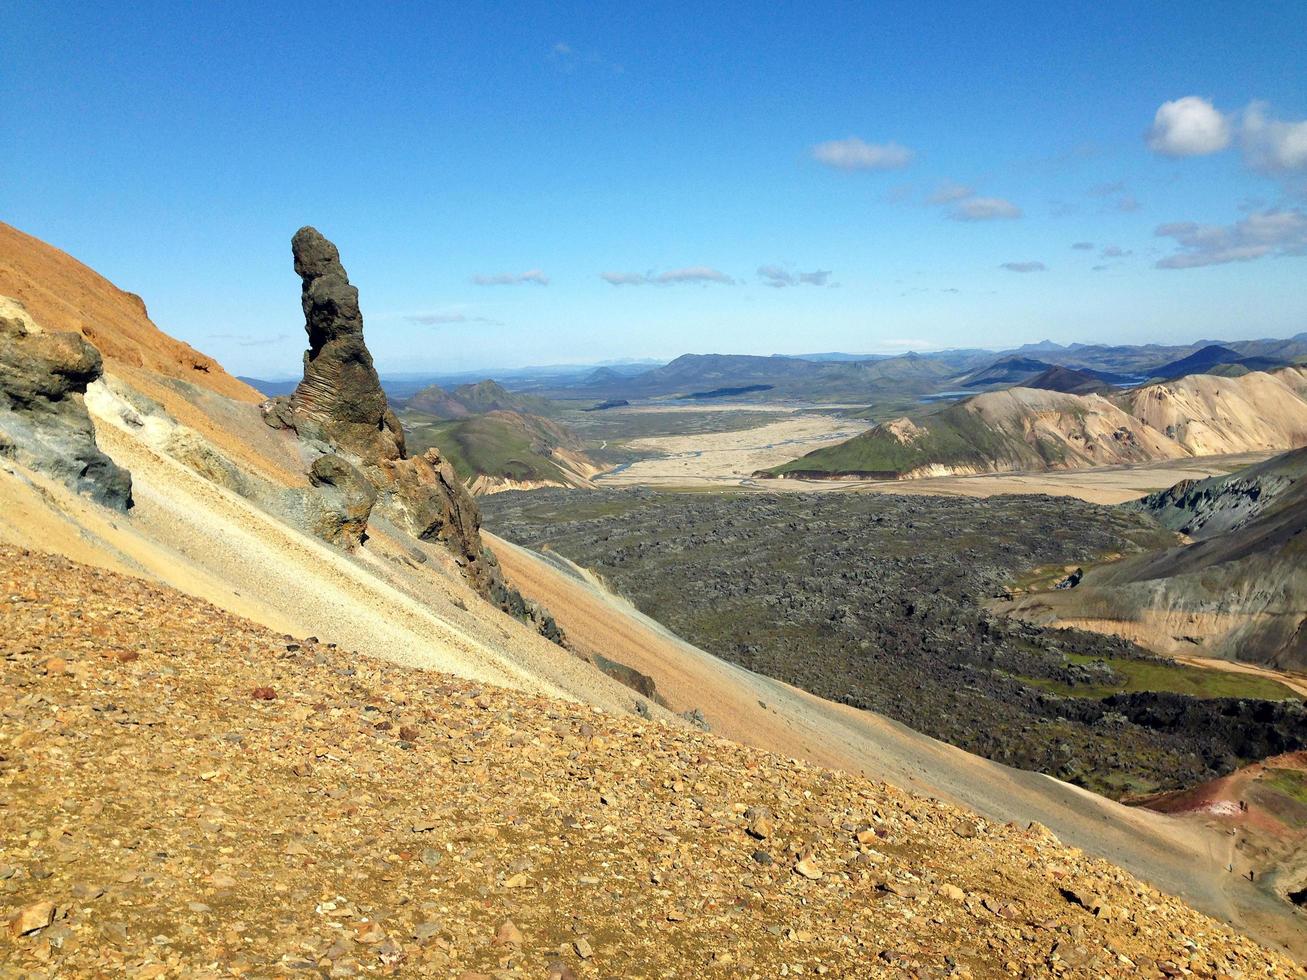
pixel 43 419
pixel 340 409
pixel 340 400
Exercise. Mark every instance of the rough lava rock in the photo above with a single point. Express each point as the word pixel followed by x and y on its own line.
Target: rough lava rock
pixel 347 498
pixel 43 419
pixel 340 400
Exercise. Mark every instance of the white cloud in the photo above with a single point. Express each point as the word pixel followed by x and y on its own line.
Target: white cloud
pixel 984 209
pixel 695 273
pixel 1261 234
pixel 439 319
pixel 778 278
pixel 533 276
pixel 1024 267
pixel 948 192
pixel 1115 252
pixel 624 278
pixel 1272 145
pixel 854 154
pixel 692 274
pixel 1188 127
pixel 1083 246
pixel 562 49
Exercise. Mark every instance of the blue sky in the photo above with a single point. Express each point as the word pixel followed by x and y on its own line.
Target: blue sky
pixel 861 177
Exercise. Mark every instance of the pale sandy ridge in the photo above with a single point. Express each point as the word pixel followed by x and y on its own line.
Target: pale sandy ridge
pixel 1185 856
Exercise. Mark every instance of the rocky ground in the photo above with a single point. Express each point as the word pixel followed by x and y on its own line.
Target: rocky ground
pixel 188 794
pixel 876 601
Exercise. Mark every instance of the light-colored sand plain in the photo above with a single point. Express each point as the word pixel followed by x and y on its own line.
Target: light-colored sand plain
pixel 1098 485
pixel 729 458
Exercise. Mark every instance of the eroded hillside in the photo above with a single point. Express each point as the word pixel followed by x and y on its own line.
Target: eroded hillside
pixel 1033 429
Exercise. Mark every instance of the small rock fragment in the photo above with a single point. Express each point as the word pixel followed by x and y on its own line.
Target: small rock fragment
pixel 31 919
pixel 807 867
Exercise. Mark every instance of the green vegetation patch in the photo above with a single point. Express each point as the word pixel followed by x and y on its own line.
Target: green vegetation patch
pixel 1290 782
pixel 1166 677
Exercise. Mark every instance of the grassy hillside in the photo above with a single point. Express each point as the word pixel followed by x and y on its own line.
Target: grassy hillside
pixel 501 445
pixel 952 437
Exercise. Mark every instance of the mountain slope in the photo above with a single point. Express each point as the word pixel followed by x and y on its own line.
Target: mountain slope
pixel 63 294
pixel 503 450
pixel 1069 380
pixel 1009 371
pixel 1238 591
pixel 1029 429
pixel 1208 415
pixel 1216 359
pixel 293 807
pixel 473 399
pixel 1015 429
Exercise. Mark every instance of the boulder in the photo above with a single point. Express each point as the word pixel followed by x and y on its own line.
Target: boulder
pixel 43 419
pixel 345 500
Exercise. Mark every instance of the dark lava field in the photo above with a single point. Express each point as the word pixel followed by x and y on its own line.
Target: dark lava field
pixel 877 601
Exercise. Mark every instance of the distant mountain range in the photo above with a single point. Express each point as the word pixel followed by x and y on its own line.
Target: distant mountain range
pixel 835 376
pixel 832 377
pixel 472 399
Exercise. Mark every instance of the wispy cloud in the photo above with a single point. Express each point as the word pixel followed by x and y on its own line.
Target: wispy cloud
pixel 948 192
pixel 1107 189
pixel 1262 234
pixel 701 274
pixel 1127 203
pixel 1083 246
pixel 1188 127
pixel 1024 267
pixel 533 276
pixel 984 209
pixel 779 278
pixel 855 154
pixel 1115 252
pixel 439 319
pixel 250 340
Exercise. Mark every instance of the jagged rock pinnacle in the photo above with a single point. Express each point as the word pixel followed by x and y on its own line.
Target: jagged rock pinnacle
pixel 340 400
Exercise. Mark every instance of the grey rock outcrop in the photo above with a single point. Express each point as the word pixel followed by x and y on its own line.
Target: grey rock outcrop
pixel 43 419
pixel 346 498
pixel 339 401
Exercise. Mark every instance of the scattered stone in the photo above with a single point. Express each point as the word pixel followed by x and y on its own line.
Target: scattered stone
pixel 762 822
pixel 508 934
pixel 807 867
pixel 31 919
